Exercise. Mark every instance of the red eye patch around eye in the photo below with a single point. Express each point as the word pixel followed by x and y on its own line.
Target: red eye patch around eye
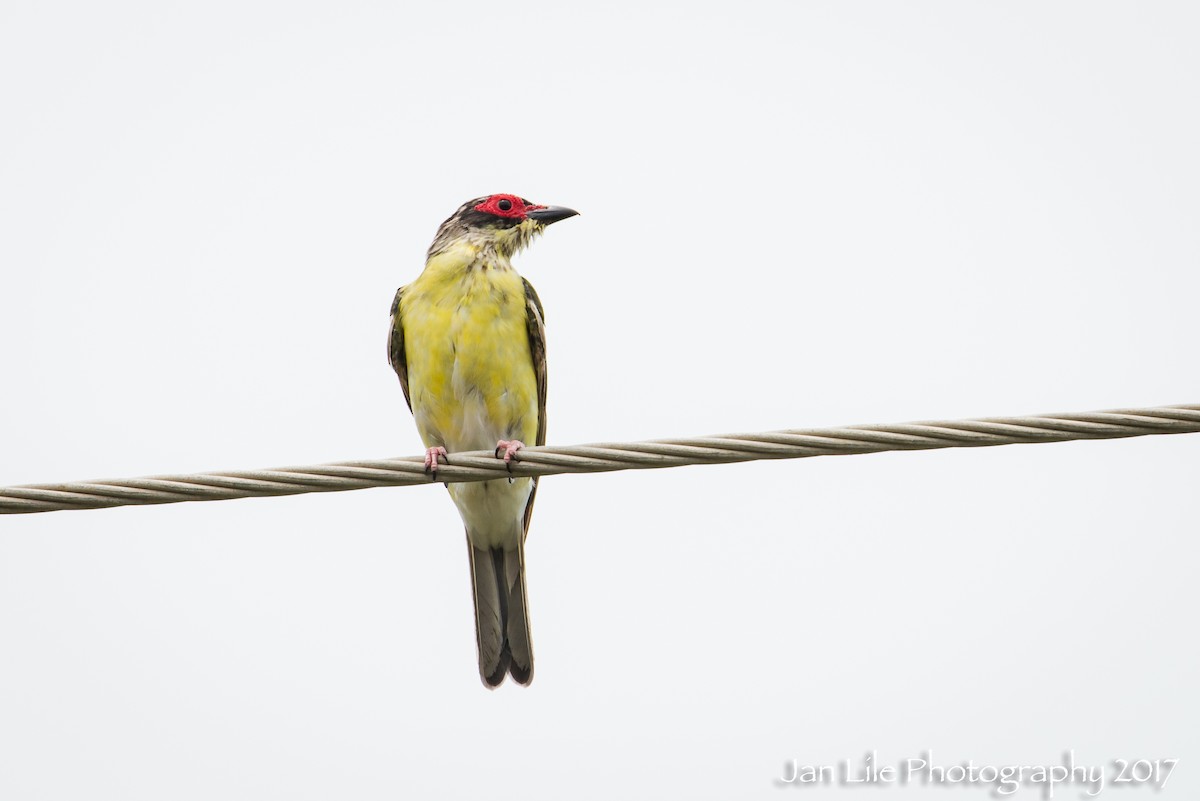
pixel 495 205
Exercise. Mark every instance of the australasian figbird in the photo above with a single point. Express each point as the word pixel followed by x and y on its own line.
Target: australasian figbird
pixel 469 344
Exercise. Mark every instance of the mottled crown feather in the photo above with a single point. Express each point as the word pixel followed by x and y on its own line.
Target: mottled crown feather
pixel 505 231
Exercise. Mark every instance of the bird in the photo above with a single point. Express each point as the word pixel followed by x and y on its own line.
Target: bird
pixel 468 342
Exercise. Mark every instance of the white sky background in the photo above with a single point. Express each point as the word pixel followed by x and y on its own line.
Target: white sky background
pixel 792 215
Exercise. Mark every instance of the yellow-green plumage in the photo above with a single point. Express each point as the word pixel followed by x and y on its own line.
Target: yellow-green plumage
pixel 468 344
pixel 469 361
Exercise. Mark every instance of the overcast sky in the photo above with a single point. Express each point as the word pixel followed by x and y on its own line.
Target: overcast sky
pixel 793 215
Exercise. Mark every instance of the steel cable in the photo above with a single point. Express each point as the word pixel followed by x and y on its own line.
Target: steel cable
pixel 602 457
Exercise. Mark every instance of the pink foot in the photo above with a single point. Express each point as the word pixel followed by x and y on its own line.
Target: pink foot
pixel 506 448
pixel 432 455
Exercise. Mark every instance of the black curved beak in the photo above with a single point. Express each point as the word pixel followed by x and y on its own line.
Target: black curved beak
pixel 550 214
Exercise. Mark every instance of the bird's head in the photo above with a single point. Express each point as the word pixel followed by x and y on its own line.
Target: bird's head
pixel 501 224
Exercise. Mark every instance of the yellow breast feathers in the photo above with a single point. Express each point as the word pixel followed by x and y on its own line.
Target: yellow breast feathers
pixel 471 375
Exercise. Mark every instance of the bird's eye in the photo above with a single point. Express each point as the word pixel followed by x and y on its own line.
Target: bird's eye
pixel 504 205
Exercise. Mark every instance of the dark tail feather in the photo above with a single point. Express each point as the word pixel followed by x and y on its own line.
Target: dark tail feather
pixel 501 614
pixel 520 644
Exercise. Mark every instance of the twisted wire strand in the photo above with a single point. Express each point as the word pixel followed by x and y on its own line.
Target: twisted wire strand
pixel 603 457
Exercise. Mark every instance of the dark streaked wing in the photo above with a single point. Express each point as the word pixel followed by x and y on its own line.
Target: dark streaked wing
pixel 396 355
pixel 536 327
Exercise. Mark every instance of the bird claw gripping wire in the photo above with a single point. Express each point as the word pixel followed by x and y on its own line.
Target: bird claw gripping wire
pixel 432 457
pixel 506 449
